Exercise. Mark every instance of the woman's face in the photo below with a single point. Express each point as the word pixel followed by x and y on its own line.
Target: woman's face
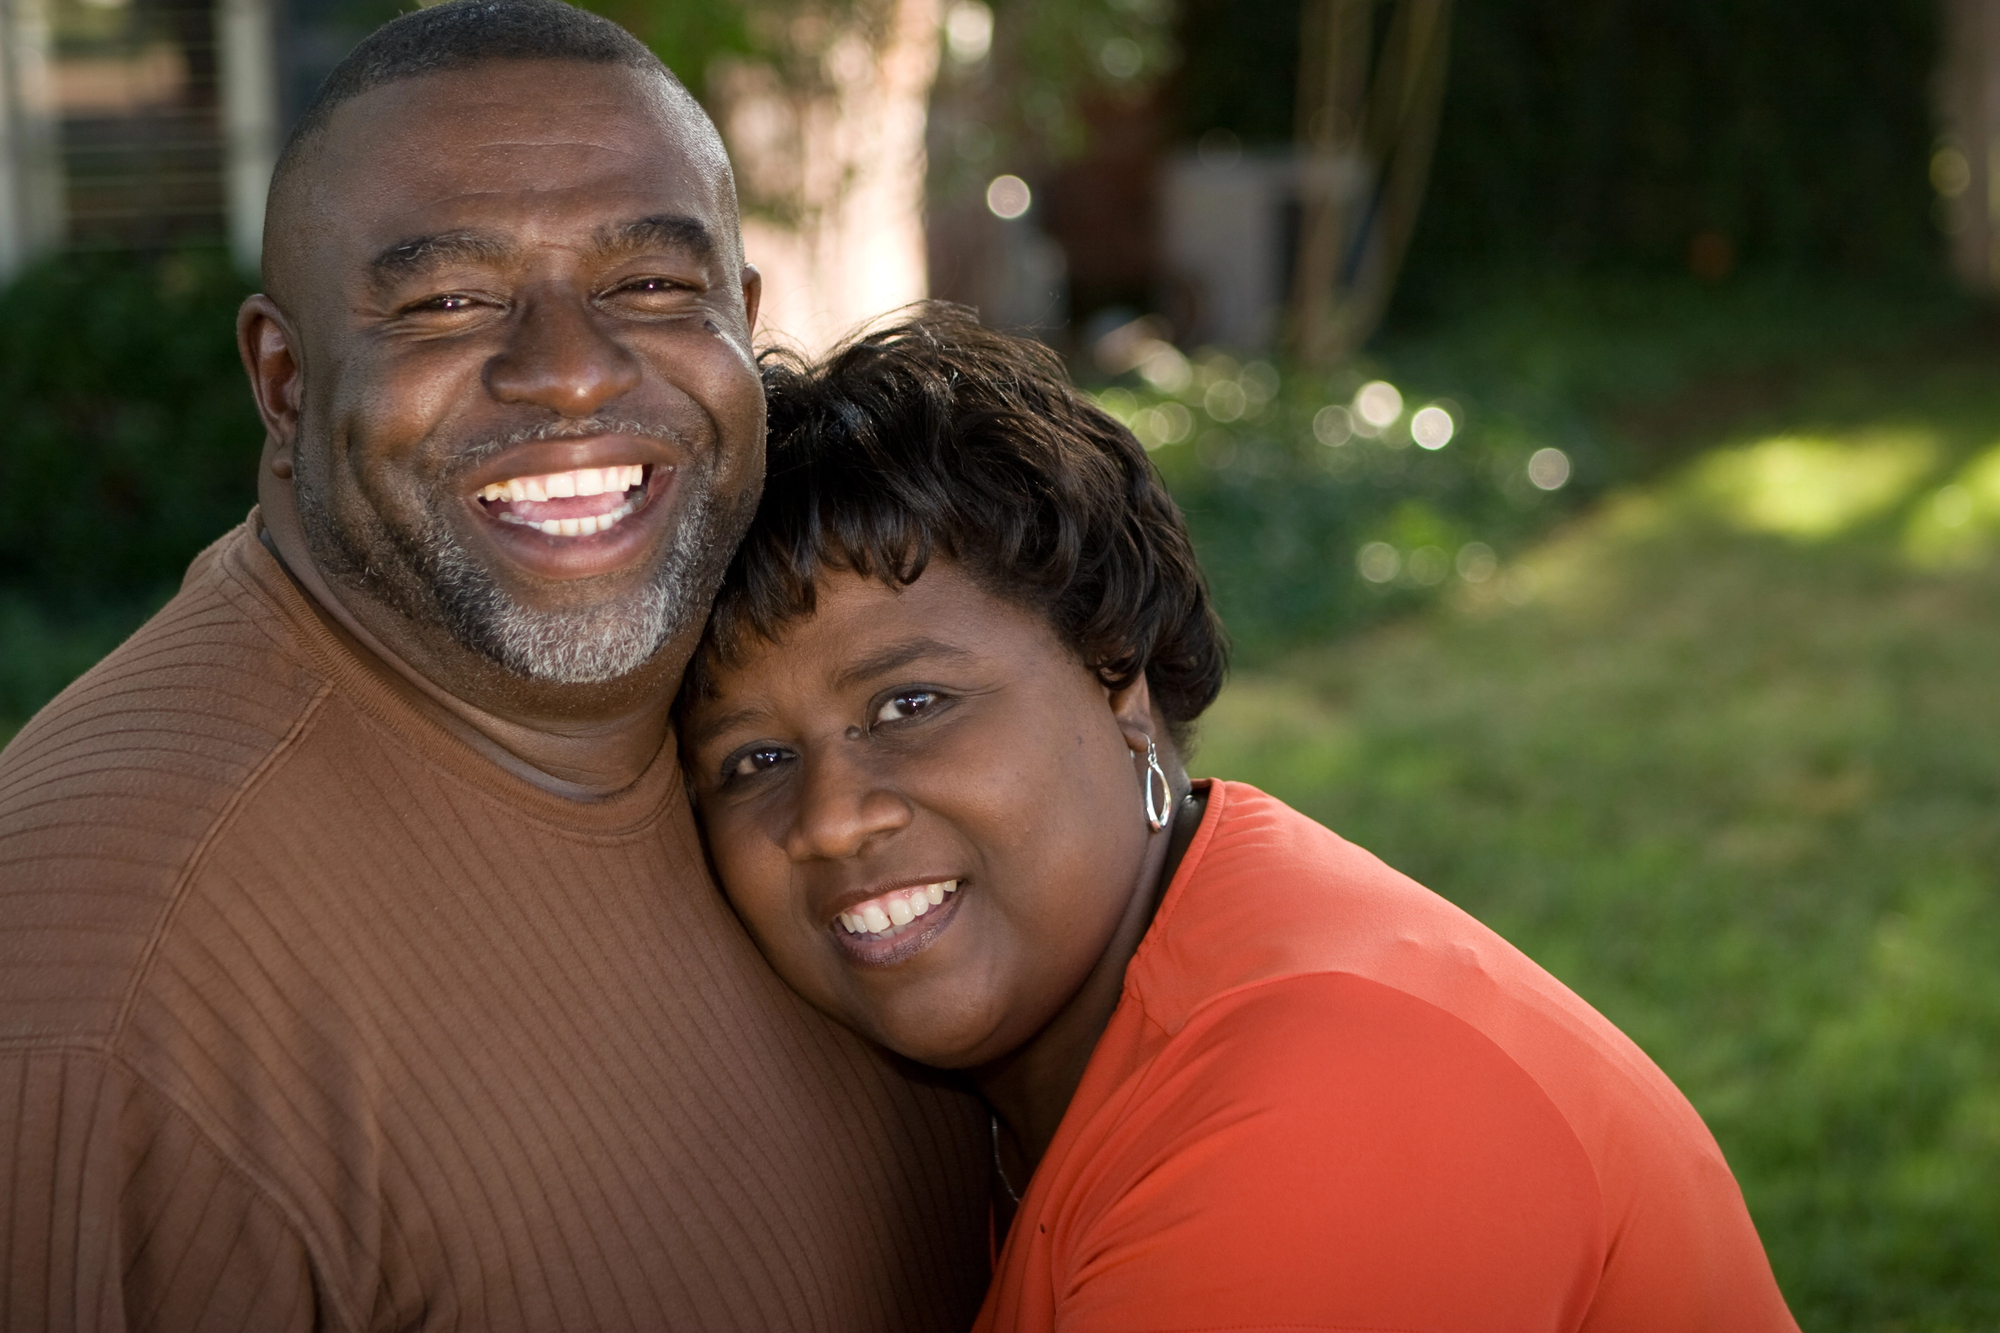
pixel 927 811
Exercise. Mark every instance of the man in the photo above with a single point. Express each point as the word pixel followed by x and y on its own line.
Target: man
pixel 358 965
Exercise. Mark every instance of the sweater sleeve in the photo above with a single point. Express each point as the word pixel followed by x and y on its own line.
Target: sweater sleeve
pixel 119 1214
pixel 1325 1152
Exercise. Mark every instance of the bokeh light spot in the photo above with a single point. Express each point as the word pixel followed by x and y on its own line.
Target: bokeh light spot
pixel 1432 427
pixel 1429 565
pixel 968 31
pixel 1121 58
pixel 1951 174
pixel 1008 197
pixel 1476 562
pixel 1119 403
pixel 1549 469
pixel 1332 426
pixel 1378 403
pixel 1378 562
pixel 1225 400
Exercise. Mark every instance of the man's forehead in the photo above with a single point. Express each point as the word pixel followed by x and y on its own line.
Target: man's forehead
pixel 514 126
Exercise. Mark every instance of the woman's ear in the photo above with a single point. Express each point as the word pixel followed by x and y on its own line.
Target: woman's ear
pixel 1132 706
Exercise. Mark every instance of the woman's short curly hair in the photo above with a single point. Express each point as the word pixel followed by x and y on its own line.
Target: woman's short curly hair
pixel 933 436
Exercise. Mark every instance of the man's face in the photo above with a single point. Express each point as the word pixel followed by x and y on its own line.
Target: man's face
pixel 529 412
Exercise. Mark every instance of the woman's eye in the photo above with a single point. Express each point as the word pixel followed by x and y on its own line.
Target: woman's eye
pixel 752 762
pixel 907 704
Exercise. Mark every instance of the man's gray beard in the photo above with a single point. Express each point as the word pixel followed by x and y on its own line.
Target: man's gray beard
pixel 439 582
pixel 579 647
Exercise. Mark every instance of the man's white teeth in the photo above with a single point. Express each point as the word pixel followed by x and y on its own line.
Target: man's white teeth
pixel 588 526
pixel 564 485
pixel 895 909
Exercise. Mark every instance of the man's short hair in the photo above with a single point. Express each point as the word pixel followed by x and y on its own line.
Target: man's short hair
pixel 934 436
pixel 461 33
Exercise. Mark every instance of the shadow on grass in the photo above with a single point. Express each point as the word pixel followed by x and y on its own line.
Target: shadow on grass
pixel 1722 756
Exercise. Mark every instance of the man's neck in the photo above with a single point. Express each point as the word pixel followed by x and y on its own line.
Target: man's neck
pixel 591 744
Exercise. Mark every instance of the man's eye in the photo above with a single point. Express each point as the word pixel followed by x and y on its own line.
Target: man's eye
pixel 449 301
pixel 749 763
pixel 651 293
pixel 907 704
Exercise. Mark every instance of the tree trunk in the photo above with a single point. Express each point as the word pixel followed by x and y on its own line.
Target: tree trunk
pixel 1366 127
pixel 1966 169
pixel 828 141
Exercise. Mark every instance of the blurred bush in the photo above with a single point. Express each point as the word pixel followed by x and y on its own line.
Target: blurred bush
pixel 1313 521
pixel 130 440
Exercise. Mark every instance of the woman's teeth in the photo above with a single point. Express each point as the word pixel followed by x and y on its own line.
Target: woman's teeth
pixel 892 910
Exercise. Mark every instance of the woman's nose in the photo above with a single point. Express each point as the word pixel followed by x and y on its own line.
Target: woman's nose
pixel 842 808
pixel 559 357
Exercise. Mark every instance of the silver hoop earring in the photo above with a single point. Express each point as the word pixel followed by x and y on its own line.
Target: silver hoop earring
pixel 1157 815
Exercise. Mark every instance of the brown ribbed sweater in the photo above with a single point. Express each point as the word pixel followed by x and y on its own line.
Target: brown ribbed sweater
pixel 311 1017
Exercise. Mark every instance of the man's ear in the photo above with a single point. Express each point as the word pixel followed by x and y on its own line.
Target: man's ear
pixel 753 296
pixel 269 348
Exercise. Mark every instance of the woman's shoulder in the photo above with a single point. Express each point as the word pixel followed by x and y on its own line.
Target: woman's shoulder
pixel 1265 893
pixel 1266 896
pixel 1317 1057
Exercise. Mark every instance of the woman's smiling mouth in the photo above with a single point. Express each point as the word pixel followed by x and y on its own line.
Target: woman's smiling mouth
pixel 891 926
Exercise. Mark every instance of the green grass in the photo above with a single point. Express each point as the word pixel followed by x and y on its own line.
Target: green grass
pixel 1724 755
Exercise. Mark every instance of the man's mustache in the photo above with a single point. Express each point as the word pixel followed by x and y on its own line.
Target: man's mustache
pixel 480 452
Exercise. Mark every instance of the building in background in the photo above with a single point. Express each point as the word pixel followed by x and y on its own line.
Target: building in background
pixel 149 123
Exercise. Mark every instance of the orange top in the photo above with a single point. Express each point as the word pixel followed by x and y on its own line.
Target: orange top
pixel 1329 1099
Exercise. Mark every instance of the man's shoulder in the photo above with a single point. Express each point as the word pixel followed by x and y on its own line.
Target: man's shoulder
pixel 112 791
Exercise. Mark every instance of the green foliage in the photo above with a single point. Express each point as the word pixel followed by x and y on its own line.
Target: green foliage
pixel 1616 131
pixel 43 649
pixel 1612 133
pixel 130 440
pixel 1721 757
pixel 1607 369
pixel 685 36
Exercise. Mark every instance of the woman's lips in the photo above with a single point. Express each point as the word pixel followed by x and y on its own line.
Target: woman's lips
pixel 888 913
pixel 910 918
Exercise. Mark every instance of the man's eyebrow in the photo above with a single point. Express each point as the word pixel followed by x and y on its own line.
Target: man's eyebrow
pixel 892 656
pixel 662 231
pixel 419 253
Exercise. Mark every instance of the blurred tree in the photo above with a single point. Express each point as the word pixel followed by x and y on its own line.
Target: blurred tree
pixel 1629 133
pixel 825 103
pixel 1965 169
pixel 1367 116
pixel 1698 135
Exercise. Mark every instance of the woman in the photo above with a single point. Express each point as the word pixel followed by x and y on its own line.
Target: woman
pixel 1241 1074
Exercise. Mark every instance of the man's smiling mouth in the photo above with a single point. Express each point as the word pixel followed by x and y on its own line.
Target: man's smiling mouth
pixel 579 503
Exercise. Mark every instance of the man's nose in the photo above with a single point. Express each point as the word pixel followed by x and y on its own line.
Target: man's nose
pixel 561 358
pixel 841 810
